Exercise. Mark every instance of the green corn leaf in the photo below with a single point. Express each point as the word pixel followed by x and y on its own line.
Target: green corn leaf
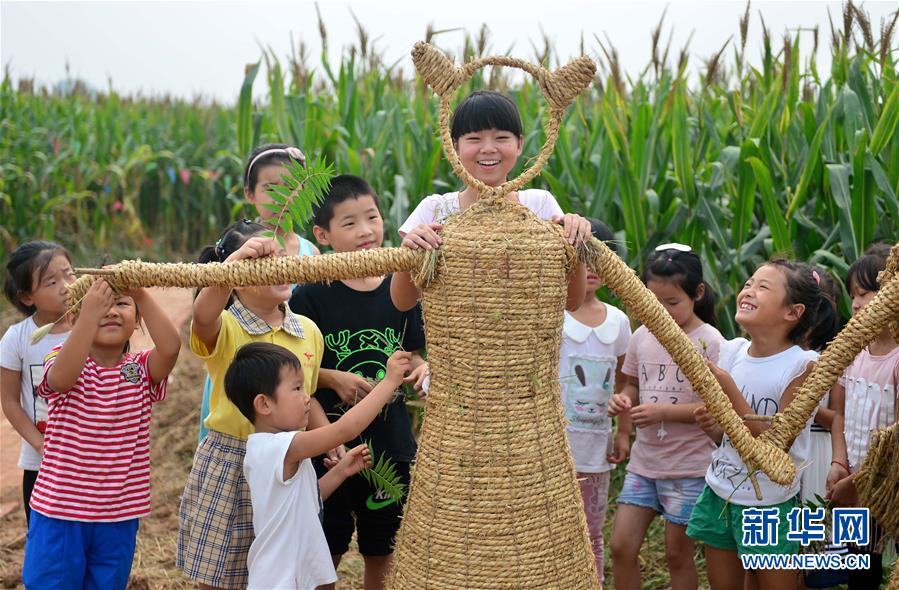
pixel 886 124
pixel 812 159
pixel 245 110
pixel 774 216
pixel 838 176
pixel 744 204
pixel 680 145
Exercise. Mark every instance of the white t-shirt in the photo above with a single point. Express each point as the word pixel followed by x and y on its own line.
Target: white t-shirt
pixel 587 363
pixel 290 550
pixel 762 380
pixel 18 354
pixel 438 208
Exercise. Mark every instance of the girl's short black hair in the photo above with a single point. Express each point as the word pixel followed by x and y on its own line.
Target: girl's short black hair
pixel 230 241
pixel 685 270
pixel 805 285
pixel 24 260
pixel 485 109
pixel 863 272
pixel 256 368
pixel 251 175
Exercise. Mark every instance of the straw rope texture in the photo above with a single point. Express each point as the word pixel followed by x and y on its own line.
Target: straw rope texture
pixel 132 274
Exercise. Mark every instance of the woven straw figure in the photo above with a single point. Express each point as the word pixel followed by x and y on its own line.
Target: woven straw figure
pixel 494 502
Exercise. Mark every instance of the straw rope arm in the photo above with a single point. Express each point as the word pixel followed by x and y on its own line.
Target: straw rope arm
pixel 132 274
pixel 644 306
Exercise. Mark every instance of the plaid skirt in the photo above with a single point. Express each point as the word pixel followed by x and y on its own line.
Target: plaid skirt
pixel 216 516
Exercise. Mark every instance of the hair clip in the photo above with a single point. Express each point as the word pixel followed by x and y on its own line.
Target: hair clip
pixel 817 277
pixel 292 152
pixel 296 154
pixel 218 249
pixel 673 246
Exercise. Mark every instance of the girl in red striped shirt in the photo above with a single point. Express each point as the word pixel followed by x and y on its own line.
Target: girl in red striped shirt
pixel 94 480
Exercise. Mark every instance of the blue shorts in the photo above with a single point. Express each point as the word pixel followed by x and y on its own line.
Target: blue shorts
pixel 62 554
pixel 672 498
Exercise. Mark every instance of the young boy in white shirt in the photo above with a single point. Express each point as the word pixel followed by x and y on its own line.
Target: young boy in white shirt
pixel 265 382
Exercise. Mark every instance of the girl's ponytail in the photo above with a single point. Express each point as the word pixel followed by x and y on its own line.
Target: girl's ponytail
pixel 704 308
pixel 826 327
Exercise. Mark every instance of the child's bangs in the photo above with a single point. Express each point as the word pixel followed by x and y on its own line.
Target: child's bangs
pixel 485 110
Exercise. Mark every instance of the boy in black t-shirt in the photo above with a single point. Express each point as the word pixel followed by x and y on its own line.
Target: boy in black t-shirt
pixel 361 328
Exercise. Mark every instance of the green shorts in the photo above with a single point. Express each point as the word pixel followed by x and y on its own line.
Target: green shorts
pixel 719 524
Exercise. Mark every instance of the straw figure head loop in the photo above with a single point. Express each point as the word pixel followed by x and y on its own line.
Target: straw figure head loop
pixel 559 88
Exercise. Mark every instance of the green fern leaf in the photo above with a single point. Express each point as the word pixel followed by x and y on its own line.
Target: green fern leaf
pixel 383 476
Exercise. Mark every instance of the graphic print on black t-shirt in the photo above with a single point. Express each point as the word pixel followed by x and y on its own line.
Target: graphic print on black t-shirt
pixel 361 330
pixel 353 350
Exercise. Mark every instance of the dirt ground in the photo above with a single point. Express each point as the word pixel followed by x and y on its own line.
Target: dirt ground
pixel 173 441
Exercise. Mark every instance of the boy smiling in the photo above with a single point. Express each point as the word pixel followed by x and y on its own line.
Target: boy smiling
pixel 362 328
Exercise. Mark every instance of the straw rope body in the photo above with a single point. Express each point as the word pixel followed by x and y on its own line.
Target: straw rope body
pixel 494 502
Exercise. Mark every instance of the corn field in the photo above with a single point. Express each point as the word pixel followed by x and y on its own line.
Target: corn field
pixel 756 155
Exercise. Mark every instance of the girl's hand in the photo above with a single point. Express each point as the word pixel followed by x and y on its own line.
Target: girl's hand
pixel 417 376
pixel 837 473
pixel 619 404
pixel 705 420
pixel 350 387
pixel 648 414
pixel 355 460
pixel 256 247
pixel 577 229
pixel 97 302
pixel 423 236
pixel 844 492
pixel 621 448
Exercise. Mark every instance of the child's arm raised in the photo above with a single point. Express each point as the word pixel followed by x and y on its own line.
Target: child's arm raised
pixel 165 337
pixel 69 362
pixel 350 425
pixel 211 301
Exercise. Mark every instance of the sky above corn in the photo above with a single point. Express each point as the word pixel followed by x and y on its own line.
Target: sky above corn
pixel 191 49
